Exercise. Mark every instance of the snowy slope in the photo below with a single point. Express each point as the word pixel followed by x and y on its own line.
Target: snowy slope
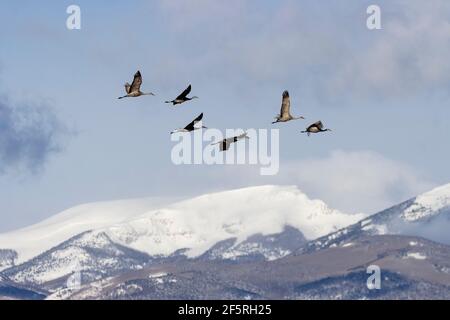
pixel 251 224
pixel 429 204
pixel 196 224
pixel 34 240
pixel 91 254
pixel 426 216
pixel 199 223
pixel 266 222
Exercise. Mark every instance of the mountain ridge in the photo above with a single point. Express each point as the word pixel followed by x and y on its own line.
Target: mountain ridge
pixel 196 224
pixel 420 216
pixel 243 237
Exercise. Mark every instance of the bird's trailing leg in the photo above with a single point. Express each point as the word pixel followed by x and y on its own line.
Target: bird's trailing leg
pixel 307 132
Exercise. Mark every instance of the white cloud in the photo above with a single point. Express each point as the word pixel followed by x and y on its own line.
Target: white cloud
pixel 328 52
pixel 356 181
pixel 408 56
pixel 350 181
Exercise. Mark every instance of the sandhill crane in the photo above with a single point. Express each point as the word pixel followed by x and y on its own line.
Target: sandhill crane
pixel 315 128
pixel 225 143
pixel 191 126
pixel 133 90
pixel 183 97
pixel 285 113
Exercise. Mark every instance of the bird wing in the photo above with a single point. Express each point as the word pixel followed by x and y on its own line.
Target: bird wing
pixel 184 93
pixel 242 136
pixel 127 87
pixel 285 105
pixel 225 145
pixel 191 125
pixel 319 125
pixel 137 81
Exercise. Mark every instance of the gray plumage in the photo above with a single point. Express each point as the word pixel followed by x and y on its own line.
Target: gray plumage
pixel 316 127
pixel 133 90
pixel 285 112
pixel 225 143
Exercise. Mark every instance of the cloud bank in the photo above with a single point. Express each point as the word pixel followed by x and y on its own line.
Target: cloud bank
pixel 327 52
pixel 350 181
pixel 29 135
pixel 357 180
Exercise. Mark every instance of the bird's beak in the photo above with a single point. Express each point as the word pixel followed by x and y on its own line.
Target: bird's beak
pixel 247 138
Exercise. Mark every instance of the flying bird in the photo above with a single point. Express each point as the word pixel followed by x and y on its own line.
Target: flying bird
pixel 133 90
pixel 285 113
pixel 225 143
pixel 315 128
pixel 183 97
pixel 191 126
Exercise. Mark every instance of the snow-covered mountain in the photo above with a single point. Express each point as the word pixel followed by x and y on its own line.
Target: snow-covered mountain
pixel 91 255
pixel 266 222
pixel 426 216
pixel 199 223
pixel 412 268
pixel 196 224
pixel 257 247
pixel 266 228
pixel 24 244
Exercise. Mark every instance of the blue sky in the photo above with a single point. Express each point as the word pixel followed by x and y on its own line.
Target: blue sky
pixel 384 92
